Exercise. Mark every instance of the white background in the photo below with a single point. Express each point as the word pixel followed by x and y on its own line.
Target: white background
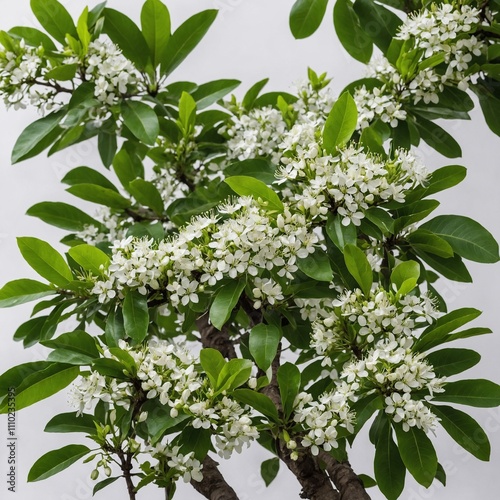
pixel 250 40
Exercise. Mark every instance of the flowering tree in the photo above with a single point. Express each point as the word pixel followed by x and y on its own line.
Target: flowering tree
pixel 265 270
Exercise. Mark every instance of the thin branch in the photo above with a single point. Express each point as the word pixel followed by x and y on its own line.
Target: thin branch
pixel 213 485
pixel 126 467
pixel 216 339
pixel 345 479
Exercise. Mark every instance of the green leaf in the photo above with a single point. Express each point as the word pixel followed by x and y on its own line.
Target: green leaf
pixel 77 341
pixel 316 266
pixel 42 384
pixel 86 175
pixel 225 301
pixel 380 218
pixel 413 212
pixel 269 470
pixel 426 241
pixel 438 139
pixel 490 105
pixel 187 114
pixel 45 260
pixel 136 316
pixel 263 170
pixel 253 92
pixel 15 376
pixel 141 120
pixel 21 291
pixel 479 393
pixel 249 186
pixel 212 363
pixel 390 470
pixel 364 408
pixel 82 29
pixel 159 420
pixel 209 93
pixel 359 267
pixel 341 123
pixel 339 234
pixel 378 22
pixel 146 194
pixel 467 237
pixel 258 401
pixel 56 461
pixel 464 430
pixel 100 195
pixel 351 35
pixel 306 16
pixel 233 374
pixel 54 18
pixel 196 440
pixel 127 167
pixel 106 143
pixel 102 484
pixel 447 362
pixel 33 37
pixel 263 344
pixel 37 136
pixel 90 258
pixel 70 422
pixel 289 381
pixel 185 38
pixel 368 482
pixel 62 73
pixel 465 334
pixel 114 330
pixel 155 23
pixel 125 33
pixel 418 454
pixel 404 271
pixel 452 268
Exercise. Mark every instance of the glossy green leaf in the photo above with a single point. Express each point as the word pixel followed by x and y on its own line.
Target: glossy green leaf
pixel 452 268
pixel 62 73
pixel 263 344
pixel 339 234
pixel 106 144
pixel 316 266
pixel 225 301
pixel 258 401
pixel 56 461
pixel 70 422
pixel 212 363
pixel 102 484
pixel 37 136
pixel 381 219
pixel 351 35
pixel 141 120
pixel 98 194
pixel 33 37
pixel 426 241
pixel 447 362
pixel 209 93
pixel 468 238
pixel 269 470
pixel 21 291
pixel 187 114
pixel 146 194
pixel 404 271
pixel 155 23
pixel 86 175
pixel 77 341
pixel 53 16
pixel 127 167
pixel 253 92
pixel 341 123
pixel 90 258
pixel 234 373
pixel 464 430
pixel 45 260
pixel 125 33
pixel 261 169
pixel 418 454
pixel 185 38
pixel 249 186
pixel 289 381
pixel 136 316
pixel 359 267
pixel 159 421
pixel 437 138
pixel 306 16
pixel 479 393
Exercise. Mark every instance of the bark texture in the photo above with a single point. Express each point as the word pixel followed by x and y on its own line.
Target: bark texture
pixel 216 339
pixel 213 485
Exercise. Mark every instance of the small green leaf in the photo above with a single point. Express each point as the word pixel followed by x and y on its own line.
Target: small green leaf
pixel 62 215
pixel 55 461
pixel 438 139
pixel 289 381
pixel 464 430
pixel 341 123
pixel 102 484
pixel 452 268
pixel 54 18
pixel 155 23
pixel 77 341
pixel 269 470
pixel 70 422
pixel 249 186
pixel 405 275
pixel 106 143
pixel 187 114
pixel 426 241
pixel 380 218
pixel 261 169
pixel 98 194
pixel 418 454
pixel 479 393
pixel 90 258
pixel 141 120
pixel 21 291
pixel 209 93
pixel 45 260
pixel 127 167
pixel 306 16
pixel 225 301
pixel 339 234
pixel 212 363
pixel 252 94
pixel 136 316
pixel 258 401
pixel 359 267
pixel 85 175
pixel 447 362
pixel 62 73
pixel 33 37
pixel 316 266
pixel 233 374
pixel 263 344
pixel 146 194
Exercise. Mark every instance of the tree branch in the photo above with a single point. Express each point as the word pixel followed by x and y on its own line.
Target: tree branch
pixel 345 479
pixel 217 339
pixel 213 485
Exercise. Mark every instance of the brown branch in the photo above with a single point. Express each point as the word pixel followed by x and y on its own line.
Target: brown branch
pixel 216 339
pixel 345 479
pixel 213 485
pixel 126 467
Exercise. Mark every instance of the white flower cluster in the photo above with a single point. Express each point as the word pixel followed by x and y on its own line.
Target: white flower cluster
pixel 21 77
pixel 322 419
pixel 361 320
pixel 248 242
pixel 350 182
pixel 115 227
pixel 169 459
